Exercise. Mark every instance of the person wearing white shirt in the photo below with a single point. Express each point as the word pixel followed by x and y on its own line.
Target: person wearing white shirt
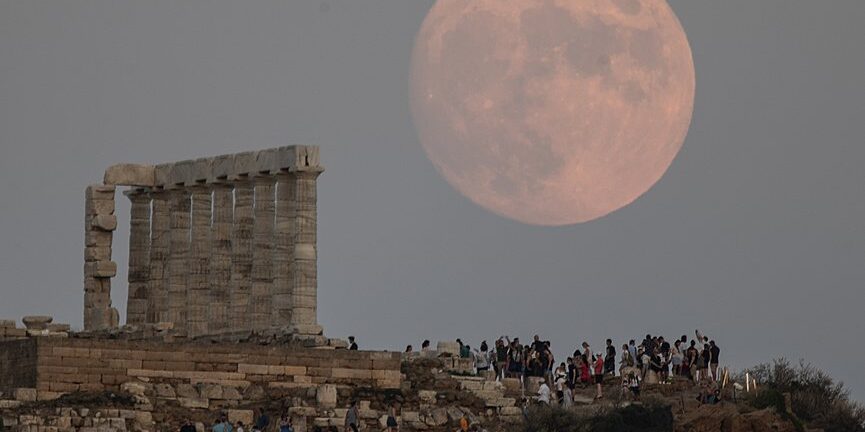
pixel 544 393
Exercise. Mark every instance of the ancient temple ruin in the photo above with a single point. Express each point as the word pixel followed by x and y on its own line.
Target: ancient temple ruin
pixel 216 245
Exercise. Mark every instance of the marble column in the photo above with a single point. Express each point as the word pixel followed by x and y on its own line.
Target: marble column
pixel 157 300
pixel 286 212
pixel 139 256
pixel 262 259
pixel 197 292
pixel 303 265
pixel 241 254
pixel 99 224
pixel 220 258
pixel 179 216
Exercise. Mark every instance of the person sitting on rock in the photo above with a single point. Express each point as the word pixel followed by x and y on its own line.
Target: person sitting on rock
pixel 544 392
pixel 352 345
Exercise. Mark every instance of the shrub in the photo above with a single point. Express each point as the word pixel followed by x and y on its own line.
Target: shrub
pixel 815 397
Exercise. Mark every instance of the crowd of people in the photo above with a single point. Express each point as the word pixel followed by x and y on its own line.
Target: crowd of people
pixel 260 424
pixel 655 359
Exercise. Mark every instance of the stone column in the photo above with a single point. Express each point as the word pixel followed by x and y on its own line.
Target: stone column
pixel 99 223
pixel 241 254
pixel 179 222
pixel 198 267
pixel 157 301
pixel 220 258
pixel 303 265
pixel 286 213
pixel 262 259
pixel 139 256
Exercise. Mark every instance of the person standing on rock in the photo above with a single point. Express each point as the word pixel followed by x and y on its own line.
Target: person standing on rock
pixel 714 352
pixel 392 425
pixel 599 376
pixel 515 359
pixel 351 418
pixel 610 359
pixel 482 358
pixel 501 358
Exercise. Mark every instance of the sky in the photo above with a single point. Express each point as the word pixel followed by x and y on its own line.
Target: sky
pixel 755 235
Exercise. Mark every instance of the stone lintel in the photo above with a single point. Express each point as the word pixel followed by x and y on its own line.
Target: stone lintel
pixel 234 166
pixel 130 175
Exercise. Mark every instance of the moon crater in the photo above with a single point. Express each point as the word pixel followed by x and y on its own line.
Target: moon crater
pixel 552 112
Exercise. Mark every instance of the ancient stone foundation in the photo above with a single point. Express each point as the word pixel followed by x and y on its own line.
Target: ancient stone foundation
pixel 216 245
pixel 64 365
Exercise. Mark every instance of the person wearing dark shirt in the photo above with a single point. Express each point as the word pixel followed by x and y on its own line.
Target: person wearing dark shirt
pixel 352 345
pixel 665 346
pixel 649 345
pixel 610 359
pixel 538 346
pixel 263 421
pixel 187 426
pixel 714 352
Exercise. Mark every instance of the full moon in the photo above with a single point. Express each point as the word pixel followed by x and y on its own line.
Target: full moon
pixel 552 112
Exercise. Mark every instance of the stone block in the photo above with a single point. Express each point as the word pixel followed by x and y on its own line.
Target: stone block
pixel 267 161
pixel 37 322
pixel 245 163
pixel 130 175
pixel 202 170
pixel 99 206
pixel 252 369
pixel 446 347
pixel 182 173
pixel 98 191
pixel 231 393
pixel 104 222
pixel 437 417
pixel 163 174
pixel 222 167
pixel 164 391
pixel 144 419
pixel 98 239
pixel 306 158
pixel 7 324
pixel 427 396
pixel 212 391
pixel 97 254
pixel 25 394
pixel 325 396
pixel 134 388
pixel 57 327
pixel 236 415
pixel 187 391
pixel 100 269
pixel 9 404
pixel 193 402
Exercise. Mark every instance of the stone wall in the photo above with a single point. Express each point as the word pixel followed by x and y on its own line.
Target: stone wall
pixel 58 365
pixel 17 364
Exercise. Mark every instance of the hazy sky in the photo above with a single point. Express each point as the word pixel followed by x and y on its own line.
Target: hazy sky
pixel 756 234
